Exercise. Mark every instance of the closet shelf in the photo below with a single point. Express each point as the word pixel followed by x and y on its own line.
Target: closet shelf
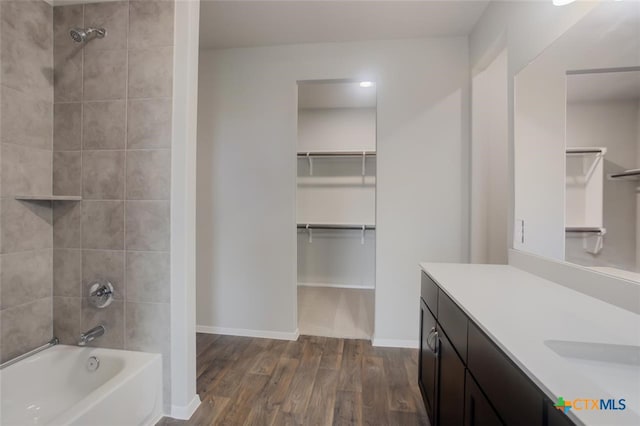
pixel 334 226
pixel 586 151
pixel 317 154
pixel 48 197
pixel 633 174
pixel 586 230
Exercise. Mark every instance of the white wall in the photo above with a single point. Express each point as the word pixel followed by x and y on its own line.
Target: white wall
pixel 489 164
pixel 337 129
pixel 612 124
pixel 247 175
pixel 184 400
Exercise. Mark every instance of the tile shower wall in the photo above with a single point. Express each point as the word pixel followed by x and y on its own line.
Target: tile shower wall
pixel 26 128
pixel 111 145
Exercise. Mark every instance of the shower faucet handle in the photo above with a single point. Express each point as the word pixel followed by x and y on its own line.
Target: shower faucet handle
pixel 101 294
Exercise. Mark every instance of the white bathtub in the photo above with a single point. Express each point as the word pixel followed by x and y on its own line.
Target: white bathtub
pixel 55 387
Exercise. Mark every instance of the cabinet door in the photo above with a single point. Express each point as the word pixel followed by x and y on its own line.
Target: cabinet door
pixel 450 384
pixel 427 360
pixel 477 409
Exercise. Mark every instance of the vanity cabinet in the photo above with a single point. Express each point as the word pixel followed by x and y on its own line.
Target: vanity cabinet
pixel 478 411
pixel 465 378
pixel 427 366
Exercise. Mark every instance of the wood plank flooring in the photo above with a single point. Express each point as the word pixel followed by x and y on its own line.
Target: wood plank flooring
pixel 312 381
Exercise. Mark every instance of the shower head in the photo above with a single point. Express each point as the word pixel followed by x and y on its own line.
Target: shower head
pixel 80 35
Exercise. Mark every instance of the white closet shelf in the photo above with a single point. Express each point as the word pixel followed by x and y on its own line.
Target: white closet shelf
pixel 335 226
pixel 336 154
pixel 587 150
pixel 633 174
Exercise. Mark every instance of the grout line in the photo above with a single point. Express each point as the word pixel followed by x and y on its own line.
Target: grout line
pixel 125 342
pixel 82 118
pixel 156 98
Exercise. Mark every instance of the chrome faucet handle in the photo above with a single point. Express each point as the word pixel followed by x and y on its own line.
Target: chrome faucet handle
pixel 101 294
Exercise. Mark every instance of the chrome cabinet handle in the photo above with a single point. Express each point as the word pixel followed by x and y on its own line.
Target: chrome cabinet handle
pixel 431 333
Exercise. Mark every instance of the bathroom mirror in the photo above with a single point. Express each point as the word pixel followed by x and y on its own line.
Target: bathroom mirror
pixel 577 145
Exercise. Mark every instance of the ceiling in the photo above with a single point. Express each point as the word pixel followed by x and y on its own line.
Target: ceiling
pixel 314 95
pixel 604 86
pixel 240 23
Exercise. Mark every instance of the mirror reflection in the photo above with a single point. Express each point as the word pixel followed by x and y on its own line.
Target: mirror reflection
pixel 577 145
pixel 602 169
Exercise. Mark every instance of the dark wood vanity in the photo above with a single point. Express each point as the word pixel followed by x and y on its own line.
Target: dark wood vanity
pixel 465 378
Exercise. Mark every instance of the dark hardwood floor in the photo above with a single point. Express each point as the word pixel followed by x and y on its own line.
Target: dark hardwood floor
pixel 313 381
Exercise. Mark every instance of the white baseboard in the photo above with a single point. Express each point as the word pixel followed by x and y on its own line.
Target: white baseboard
pixel 331 285
pixel 394 343
pixel 266 334
pixel 184 412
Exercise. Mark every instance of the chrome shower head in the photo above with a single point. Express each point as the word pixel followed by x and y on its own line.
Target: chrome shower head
pixel 80 35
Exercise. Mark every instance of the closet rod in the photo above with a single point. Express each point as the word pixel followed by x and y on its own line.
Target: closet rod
pixel 586 151
pixel 336 154
pixel 319 226
pixel 586 230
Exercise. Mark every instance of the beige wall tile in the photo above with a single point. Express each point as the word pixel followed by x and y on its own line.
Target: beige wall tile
pixel 151 73
pixel 25 171
pixel 113 16
pixel 104 125
pixel 103 175
pixel 67 173
pixel 66 319
pixel 148 225
pixel 103 225
pixel 148 175
pixel 67 220
pixel 112 317
pixel 25 276
pixel 101 265
pixel 105 74
pixel 25 225
pixel 25 327
pixel 67 126
pixel 149 123
pixel 19 18
pixel 65 18
pixel 25 120
pixel 67 272
pixel 151 24
pixel 148 327
pixel 147 277
pixel 67 75
pixel 25 68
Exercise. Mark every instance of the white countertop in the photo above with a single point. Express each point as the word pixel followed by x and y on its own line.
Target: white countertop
pixel 522 313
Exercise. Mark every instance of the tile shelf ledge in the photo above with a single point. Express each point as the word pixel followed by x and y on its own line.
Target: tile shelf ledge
pixel 48 197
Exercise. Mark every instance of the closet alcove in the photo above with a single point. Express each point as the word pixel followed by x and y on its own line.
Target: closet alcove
pixel 336 208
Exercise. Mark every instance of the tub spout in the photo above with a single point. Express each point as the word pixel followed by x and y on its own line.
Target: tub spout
pixel 91 335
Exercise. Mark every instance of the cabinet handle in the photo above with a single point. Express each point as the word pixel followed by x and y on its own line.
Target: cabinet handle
pixel 431 332
pixel 436 344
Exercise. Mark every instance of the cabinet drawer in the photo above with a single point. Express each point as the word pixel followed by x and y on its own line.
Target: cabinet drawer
pixel 429 292
pixel 454 323
pixel 515 398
